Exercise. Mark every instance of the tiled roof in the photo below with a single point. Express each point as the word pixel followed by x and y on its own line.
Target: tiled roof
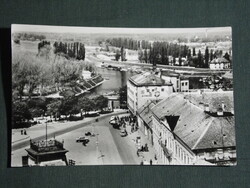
pixel 219 60
pixel 148 79
pixel 145 112
pixel 197 129
pixel 213 99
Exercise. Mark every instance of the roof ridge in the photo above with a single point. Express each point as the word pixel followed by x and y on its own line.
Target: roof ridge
pixel 203 133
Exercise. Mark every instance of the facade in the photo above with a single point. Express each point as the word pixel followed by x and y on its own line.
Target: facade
pixel 86 74
pixel 219 63
pixel 146 87
pixel 180 83
pixel 113 102
pixel 191 129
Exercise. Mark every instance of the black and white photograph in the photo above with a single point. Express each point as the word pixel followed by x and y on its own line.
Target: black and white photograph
pixel 122 96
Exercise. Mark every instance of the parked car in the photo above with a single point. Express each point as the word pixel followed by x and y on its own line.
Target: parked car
pixel 82 139
pixel 123 133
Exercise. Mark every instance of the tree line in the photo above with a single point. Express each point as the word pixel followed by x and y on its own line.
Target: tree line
pixel 165 53
pixel 70 50
pixel 25 110
pixel 29 36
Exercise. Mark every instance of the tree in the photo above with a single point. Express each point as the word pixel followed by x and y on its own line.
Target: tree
pixel 211 55
pixel 122 54
pixel 53 108
pixel 117 55
pixel 69 106
pixel 85 104
pixel 206 57
pixel 20 113
pixel 194 53
pixel 200 61
pixel 101 102
pixel 226 56
pixel 123 96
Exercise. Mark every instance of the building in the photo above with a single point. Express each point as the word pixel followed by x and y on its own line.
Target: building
pixel 45 153
pixel 86 74
pixel 219 63
pixel 191 129
pixel 180 83
pixel 144 87
pixel 144 119
pixel 113 102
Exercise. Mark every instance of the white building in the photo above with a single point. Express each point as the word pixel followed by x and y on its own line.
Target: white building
pixel 190 129
pixel 180 83
pixel 86 74
pixel 219 63
pixel 145 87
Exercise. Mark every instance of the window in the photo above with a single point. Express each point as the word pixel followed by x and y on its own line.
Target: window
pixel 182 84
pixel 186 83
pixel 162 89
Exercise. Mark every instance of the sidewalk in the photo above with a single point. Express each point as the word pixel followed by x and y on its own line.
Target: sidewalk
pixel 144 157
pixel 54 128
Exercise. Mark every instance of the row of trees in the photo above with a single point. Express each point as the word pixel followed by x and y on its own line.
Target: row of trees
pixel 127 43
pixel 160 51
pixel 30 73
pixel 71 50
pixel 29 36
pixel 25 110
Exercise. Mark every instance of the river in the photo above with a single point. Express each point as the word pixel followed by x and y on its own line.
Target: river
pixel 114 80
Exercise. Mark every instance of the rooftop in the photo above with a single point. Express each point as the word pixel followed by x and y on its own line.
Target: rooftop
pixel 148 79
pixel 199 130
pixel 219 60
pixel 145 112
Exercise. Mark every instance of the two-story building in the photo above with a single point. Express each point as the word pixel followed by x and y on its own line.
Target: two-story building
pixel 219 63
pixel 180 83
pixel 146 87
pixel 190 128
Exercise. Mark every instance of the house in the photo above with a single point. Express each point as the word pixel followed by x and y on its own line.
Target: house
pixel 180 83
pixel 191 129
pixel 219 63
pixel 145 87
pixel 86 74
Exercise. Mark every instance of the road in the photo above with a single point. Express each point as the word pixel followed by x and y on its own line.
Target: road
pixel 93 59
pixel 106 148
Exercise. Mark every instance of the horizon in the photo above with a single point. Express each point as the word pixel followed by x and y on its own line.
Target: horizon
pixel 114 30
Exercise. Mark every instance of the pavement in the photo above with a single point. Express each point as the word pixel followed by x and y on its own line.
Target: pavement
pixel 107 147
pixel 37 132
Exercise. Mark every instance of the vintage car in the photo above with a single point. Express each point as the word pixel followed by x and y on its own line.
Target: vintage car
pixel 82 139
pixel 123 133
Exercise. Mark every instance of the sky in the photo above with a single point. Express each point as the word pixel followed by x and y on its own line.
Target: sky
pixel 66 29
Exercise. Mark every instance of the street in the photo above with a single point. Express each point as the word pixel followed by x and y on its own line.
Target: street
pixel 106 147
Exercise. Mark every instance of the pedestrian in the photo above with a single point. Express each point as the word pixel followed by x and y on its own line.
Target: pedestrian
pixel 151 162
pixel 22 132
